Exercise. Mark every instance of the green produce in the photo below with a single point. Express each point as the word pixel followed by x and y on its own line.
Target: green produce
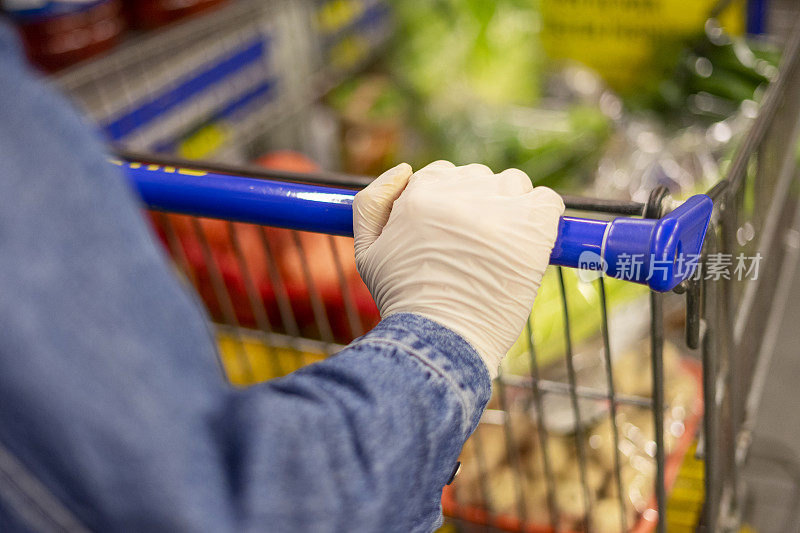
pixel 562 157
pixel 473 71
pixel 721 70
pixel 457 52
pixel 547 319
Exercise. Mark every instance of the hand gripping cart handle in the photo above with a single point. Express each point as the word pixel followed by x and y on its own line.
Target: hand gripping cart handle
pixel 652 252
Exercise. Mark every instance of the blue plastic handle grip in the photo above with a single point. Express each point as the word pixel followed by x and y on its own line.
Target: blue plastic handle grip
pixel 653 252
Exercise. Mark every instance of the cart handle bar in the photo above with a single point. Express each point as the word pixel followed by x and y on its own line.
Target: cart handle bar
pixel 659 253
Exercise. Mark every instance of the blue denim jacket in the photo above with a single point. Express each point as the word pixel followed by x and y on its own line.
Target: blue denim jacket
pixel 114 415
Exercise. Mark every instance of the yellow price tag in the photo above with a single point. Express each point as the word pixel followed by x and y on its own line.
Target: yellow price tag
pixel 203 142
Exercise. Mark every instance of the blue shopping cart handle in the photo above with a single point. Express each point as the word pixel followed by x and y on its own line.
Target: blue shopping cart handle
pixel 659 253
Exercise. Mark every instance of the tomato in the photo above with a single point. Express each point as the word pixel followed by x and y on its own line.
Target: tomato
pixel 282 265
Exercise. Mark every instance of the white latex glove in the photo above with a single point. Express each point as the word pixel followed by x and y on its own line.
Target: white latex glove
pixel 462 246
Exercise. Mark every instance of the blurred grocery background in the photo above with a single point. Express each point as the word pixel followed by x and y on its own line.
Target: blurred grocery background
pixel 604 99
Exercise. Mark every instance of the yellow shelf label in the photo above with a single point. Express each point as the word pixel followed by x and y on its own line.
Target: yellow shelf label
pixel 337 14
pixel 203 142
pixel 622 38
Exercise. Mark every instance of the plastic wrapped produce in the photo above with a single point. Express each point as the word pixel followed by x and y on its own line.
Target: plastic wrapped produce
pixel 492 460
pixel 607 516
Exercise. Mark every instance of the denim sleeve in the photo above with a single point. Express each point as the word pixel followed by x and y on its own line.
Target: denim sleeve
pixel 380 426
pixel 113 412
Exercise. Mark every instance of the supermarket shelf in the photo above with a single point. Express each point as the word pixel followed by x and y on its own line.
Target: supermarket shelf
pixel 156 46
pixel 158 89
pixel 212 85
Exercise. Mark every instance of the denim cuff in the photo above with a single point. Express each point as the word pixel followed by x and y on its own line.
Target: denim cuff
pixel 445 353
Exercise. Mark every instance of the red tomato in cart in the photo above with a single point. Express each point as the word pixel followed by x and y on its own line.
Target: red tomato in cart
pixel 311 262
pixel 288 160
pixel 298 267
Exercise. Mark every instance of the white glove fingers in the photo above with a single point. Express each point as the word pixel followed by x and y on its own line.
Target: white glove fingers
pixel 545 197
pixel 436 165
pixel 372 205
pixel 437 168
pixel 394 179
pixel 476 169
pixel 542 207
pixel 514 182
pixel 477 177
pixel 431 173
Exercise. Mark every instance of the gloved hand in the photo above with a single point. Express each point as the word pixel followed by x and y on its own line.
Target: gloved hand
pixel 462 246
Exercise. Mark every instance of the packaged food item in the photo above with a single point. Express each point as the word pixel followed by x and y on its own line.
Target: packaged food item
pixel 607 516
pixel 596 475
pixel 570 501
pixel 488 447
pixel 61 33
pixel 504 467
pixel 154 13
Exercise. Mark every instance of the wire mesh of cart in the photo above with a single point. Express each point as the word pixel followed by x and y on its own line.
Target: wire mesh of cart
pixel 628 402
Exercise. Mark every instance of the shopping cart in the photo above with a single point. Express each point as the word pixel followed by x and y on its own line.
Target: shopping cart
pixel 663 399
pixel 299 201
